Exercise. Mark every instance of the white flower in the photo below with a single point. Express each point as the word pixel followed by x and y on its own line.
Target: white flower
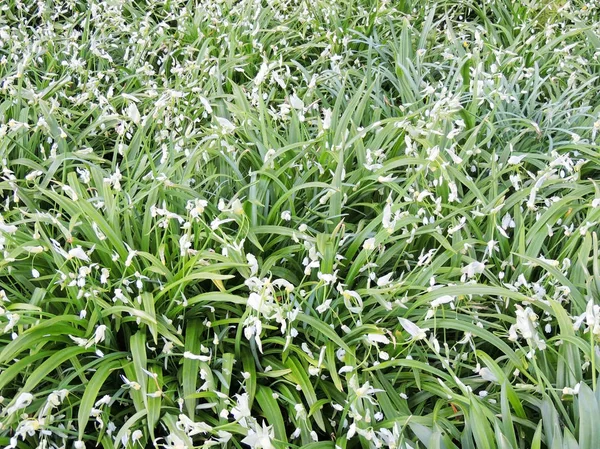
pixel 260 438
pixel 196 207
pixel 325 306
pixel 369 244
pixel 189 355
pixel 296 102
pixel 193 428
pixel 131 384
pixel 415 331
pixel 252 330
pixel 442 300
pixel 206 104
pixel 384 280
pixel 133 113
pixel 260 303
pixel 514 160
pixel 262 73
pixel 364 391
pixel 378 338
pixel 345 369
pixel 288 286
pixel 592 317
pixel 286 215
pixel 352 301
pixel 131 253
pixel 473 268
pixel 526 325
pixel 104 400
pixel 22 401
pixel 78 253
pixel 104 274
pixel 115 179
pixel 80 341
pixel 136 435
pixel 34 249
pixel 486 374
pixel 185 244
pixel 214 225
pixel 571 391
pixel 100 334
pixel 225 124
pixel 253 264
pixel 242 410
pixel 388 223
pixel 327 118
pixel 327 278
pixel 8 229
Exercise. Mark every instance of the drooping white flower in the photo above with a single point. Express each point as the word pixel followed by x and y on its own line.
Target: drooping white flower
pixel 34 249
pixel 185 244
pixel 104 274
pixel 252 330
pixel 296 102
pixel 473 268
pixel 369 244
pixel 225 124
pixel 324 307
pixel 253 264
pixel 262 73
pixel 191 356
pixel 327 113
pixel 442 300
pixel 415 331
pixel 352 300
pixel 100 334
pixel 364 391
pixel 80 341
pixel 388 223
pixel 592 317
pixel 261 303
pixel 384 280
pixel 378 338
pixel 193 428
pixel 131 384
pixel 515 160
pixel 22 401
pixel 206 104
pixel 78 253
pixel 136 435
pixel 133 113
pixel 131 253
pixel 8 229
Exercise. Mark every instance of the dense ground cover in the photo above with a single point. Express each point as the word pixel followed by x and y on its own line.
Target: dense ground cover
pixel 349 223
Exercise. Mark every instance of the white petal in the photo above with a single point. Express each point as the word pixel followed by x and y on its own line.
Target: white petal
pixel 202 358
pixel 378 338
pixel 296 102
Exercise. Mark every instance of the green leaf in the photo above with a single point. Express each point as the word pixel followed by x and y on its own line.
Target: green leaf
pixel 91 393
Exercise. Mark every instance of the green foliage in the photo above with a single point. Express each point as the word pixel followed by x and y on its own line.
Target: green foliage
pixel 294 223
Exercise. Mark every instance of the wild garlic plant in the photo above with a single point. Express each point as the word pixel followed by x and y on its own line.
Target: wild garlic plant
pixel 293 223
